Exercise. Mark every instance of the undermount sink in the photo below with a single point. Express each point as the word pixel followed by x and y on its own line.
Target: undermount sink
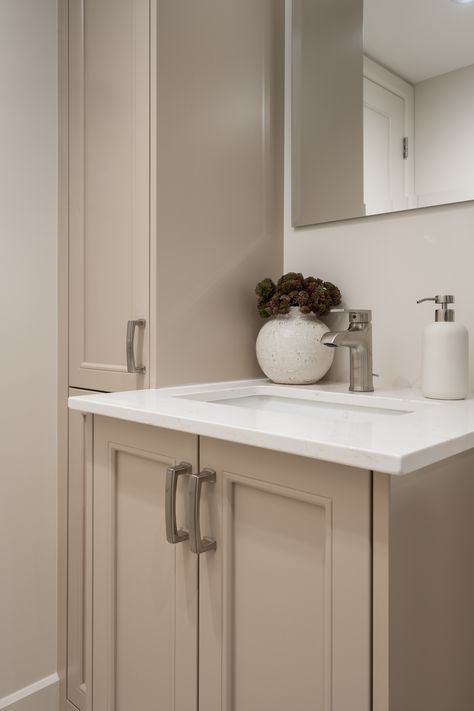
pixel 307 403
pixel 275 403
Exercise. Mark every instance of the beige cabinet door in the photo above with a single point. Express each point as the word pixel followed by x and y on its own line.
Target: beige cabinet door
pixel 285 605
pixel 79 582
pixel 145 597
pixel 109 165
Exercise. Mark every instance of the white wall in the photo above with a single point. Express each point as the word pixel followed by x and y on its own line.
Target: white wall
pixel 28 305
pixel 444 137
pixel 385 263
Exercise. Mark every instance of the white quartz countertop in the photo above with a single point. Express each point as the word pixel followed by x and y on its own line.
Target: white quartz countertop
pixel 390 431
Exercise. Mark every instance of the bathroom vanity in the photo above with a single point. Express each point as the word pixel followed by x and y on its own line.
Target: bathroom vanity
pixel 252 546
pixel 341 577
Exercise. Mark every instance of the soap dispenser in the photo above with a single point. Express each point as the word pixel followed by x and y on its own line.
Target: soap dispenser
pixel 445 367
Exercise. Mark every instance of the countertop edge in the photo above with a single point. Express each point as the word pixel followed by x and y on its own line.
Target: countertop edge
pixel 336 454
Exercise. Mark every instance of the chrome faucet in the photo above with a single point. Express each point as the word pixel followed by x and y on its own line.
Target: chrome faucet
pixel 358 338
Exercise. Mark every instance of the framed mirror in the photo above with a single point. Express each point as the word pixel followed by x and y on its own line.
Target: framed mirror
pixel 382 106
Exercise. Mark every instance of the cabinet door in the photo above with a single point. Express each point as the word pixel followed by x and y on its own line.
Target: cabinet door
pixel 145 590
pixel 79 586
pixel 285 612
pixel 108 190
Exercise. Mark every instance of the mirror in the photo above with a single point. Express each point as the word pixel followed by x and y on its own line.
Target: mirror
pixel 382 106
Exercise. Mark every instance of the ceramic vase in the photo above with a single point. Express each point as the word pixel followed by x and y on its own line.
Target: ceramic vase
pixel 289 350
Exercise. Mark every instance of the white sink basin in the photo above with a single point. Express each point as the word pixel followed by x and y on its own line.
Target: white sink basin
pixel 300 406
pixel 308 402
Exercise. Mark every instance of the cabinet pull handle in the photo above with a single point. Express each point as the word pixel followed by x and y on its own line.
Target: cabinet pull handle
pixel 131 365
pixel 199 544
pixel 173 535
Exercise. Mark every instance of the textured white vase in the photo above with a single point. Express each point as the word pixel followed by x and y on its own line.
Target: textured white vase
pixel 289 349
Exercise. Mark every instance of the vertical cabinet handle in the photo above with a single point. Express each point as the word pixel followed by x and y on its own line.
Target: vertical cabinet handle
pixel 173 535
pixel 199 544
pixel 131 365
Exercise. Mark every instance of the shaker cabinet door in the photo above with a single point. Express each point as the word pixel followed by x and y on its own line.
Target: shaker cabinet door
pixel 285 611
pixel 145 590
pixel 109 204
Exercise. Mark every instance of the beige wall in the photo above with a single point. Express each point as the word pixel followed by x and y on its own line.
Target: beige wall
pixel 28 304
pixel 386 263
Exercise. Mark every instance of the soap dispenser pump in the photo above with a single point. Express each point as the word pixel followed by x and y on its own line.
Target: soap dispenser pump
pixel 445 366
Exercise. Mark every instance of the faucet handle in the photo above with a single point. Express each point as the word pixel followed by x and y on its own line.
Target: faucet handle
pixel 355 315
pixel 360 315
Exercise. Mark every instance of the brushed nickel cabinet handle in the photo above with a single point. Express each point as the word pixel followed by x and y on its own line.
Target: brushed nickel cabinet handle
pixel 173 535
pixel 131 365
pixel 199 544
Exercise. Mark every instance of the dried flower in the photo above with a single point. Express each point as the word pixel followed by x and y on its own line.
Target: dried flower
pixel 310 294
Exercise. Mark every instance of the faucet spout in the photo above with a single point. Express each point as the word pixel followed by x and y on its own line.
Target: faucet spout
pixel 358 338
pixel 333 339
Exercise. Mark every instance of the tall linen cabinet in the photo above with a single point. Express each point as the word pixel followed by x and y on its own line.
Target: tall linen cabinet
pixel 171 209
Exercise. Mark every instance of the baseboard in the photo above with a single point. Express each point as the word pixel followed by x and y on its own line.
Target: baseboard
pixel 43 695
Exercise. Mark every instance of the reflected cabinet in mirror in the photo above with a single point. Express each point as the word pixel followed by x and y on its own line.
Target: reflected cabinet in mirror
pixel 382 107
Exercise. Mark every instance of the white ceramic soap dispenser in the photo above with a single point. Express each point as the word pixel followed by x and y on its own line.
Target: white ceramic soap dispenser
pixel 445 367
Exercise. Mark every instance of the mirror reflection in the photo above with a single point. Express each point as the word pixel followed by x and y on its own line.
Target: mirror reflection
pixel 383 106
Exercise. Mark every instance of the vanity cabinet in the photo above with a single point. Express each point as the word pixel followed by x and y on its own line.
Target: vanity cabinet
pixel 277 617
pixel 288 582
